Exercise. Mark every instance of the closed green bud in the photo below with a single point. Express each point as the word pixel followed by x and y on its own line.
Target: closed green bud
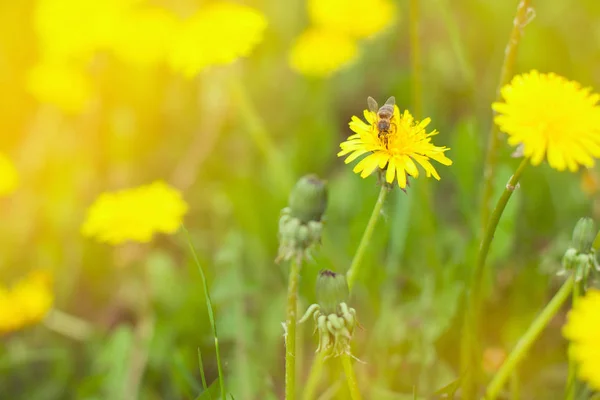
pixel 584 235
pixel 308 199
pixel 332 289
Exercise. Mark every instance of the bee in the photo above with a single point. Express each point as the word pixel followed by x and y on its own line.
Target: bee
pixel 384 117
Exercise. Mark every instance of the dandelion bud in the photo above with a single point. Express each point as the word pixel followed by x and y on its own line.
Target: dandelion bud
pixel 308 199
pixel 300 225
pixel 584 235
pixel 332 289
pixel 335 321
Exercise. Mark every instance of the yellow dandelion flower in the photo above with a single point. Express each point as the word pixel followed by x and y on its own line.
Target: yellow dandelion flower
pixel 9 178
pixel 320 52
pixel 60 84
pixel 396 152
pixel 553 118
pixel 77 28
pixel 217 34
pixel 135 214
pixel 145 36
pixel 356 18
pixel 583 330
pixel 26 302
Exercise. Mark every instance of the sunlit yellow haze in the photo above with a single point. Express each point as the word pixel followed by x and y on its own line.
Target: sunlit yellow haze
pixel 555 119
pixel 9 178
pixel 217 34
pixel 320 52
pixel 26 302
pixel 135 214
pixel 355 18
pixel 397 153
pixel 583 331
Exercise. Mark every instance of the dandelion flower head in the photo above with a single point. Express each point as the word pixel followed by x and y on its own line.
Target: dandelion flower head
pixel 75 29
pixel 554 119
pixel 9 178
pixel 355 18
pixel 145 36
pixel 320 52
pixel 63 85
pixel 583 330
pixel 135 214
pixel 397 153
pixel 26 302
pixel 217 34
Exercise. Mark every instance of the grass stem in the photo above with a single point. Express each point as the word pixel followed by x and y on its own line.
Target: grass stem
pixel 290 341
pixel 510 55
pixel 353 272
pixel 211 315
pixel 470 338
pixel 571 388
pixel 528 338
pixel 350 377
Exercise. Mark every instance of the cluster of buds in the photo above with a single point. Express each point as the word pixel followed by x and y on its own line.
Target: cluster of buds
pixel 334 320
pixel 301 223
pixel 580 258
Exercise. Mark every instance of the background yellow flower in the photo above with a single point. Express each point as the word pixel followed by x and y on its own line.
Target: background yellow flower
pixel 9 178
pixel 583 330
pixel 135 214
pixel 554 119
pixel 320 52
pixel 355 18
pixel 217 34
pixel 26 302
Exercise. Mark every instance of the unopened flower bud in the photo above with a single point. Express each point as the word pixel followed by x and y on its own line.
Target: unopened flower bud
pixel 332 289
pixel 300 224
pixel 308 199
pixel 584 235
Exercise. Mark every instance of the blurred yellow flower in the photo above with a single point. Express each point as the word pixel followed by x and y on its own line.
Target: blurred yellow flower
pixel 553 118
pixel 77 28
pixel 320 52
pixel 393 153
pixel 145 36
pixel 9 178
pixel 135 214
pixel 217 34
pixel 583 330
pixel 60 84
pixel 26 302
pixel 356 18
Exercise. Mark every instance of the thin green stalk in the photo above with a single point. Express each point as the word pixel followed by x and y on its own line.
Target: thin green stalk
pixel 258 133
pixel 510 55
pixel 290 338
pixel 314 377
pixel 211 315
pixel 571 388
pixel 528 338
pixel 366 238
pixel 350 377
pixel 470 338
pixel 201 366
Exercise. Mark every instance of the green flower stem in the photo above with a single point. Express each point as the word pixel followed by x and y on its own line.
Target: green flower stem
pixel 470 337
pixel 571 388
pixel 261 138
pixel 290 341
pixel 527 340
pixel 314 377
pixel 366 238
pixel 350 377
pixel 506 73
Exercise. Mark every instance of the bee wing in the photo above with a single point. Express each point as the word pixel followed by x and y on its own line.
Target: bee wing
pixel 372 104
pixel 391 101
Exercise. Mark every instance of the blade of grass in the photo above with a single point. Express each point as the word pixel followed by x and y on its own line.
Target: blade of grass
pixel 211 315
pixel 201 365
